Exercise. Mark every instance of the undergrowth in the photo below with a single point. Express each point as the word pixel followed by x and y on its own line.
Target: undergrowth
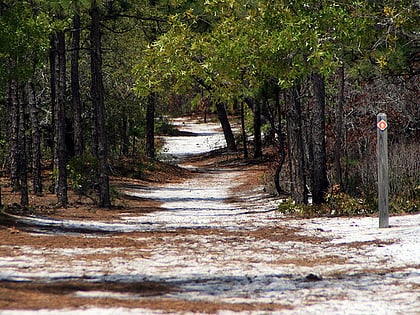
pixel 338 203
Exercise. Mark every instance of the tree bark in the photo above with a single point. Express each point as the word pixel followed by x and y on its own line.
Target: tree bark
pixel 53 96
pixel 319 161
pixel 151 105
pixel 125 135
pixel 22 159
pixel 97 91
pixel 227 130
pixel 36 140
pixel 244 137
pixel 13 131
pixel 150 126
pixel 75 88
pixel 338 176
pixel 282 151
pixel 60 152
pixel 257 129
pixel 296 149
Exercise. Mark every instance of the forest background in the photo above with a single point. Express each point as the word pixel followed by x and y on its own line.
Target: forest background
pixel 86 85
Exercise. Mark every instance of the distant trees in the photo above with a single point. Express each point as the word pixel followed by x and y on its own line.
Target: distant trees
pixel 236 47
pixel 24 41
pixel 42 44
pixel 68 69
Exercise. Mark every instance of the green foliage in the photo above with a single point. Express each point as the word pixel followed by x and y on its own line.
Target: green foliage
pixel 164 127
pixel 247 42
pixel 82 174
pixel 337 204
pixel 24 38
pixel 402 204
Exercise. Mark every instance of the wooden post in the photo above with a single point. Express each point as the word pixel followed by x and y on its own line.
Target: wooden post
pixel 383 180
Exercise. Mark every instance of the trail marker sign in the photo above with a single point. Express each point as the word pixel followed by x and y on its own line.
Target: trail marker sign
pixel 383 180
pixel 382 125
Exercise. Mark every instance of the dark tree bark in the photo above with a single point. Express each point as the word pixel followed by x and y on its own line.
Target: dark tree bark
pixel 319 161
pixel 75 88
pixel 255 106
pixel 296 149
pixel 223 118
pixel 227 130
pixel 125 135
pixel 150 126
pixel 151 105
pixel 36 140
pixel 53 85
pixel 22 156
pixel 17 141
pixel 60 153
pixel 257 129
pixel 97 91
pixel 13 132
pixel 338 176
pixel 282 151
pixel 244 137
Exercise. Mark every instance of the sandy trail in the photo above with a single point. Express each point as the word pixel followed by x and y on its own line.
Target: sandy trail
pixel 216 248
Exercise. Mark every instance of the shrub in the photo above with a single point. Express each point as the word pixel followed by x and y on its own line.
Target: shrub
pixel 82 174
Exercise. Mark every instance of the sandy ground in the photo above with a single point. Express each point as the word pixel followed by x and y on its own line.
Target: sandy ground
pixel 208 241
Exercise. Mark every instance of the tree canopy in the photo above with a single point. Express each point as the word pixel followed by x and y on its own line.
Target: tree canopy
pixel 282 59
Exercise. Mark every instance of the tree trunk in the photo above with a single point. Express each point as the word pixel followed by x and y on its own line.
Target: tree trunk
pixel 13 131
pixel 36 140
pixel 319 161
pixel 125 135
pixel 227 130
pixel 338 177
pixel 296 149
pixel 60 153
pixel 151 104
pixel 53 92
pixel 244 137
pixel 150 126
pixel 282 151
pixel 75 88
pixel 257 129
pixel 22 160
pixel 97 91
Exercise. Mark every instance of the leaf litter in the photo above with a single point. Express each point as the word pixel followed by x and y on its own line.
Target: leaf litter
pixel 213 246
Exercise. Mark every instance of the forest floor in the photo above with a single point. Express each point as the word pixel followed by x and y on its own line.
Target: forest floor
pixel 202 239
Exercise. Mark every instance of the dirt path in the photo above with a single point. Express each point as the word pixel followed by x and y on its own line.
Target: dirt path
pixel 207 244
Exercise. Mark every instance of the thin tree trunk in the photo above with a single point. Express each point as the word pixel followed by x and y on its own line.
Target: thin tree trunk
pixel 13 109
pixel 75 88
pixel 319 161
pixel 36 140
pixel 244 137
pixel 338 177
pixel 227 130
pixel 296 148
pixel 53 88
pixel 223 118
pixel 282 151
pixel 22 164
pixel 97 91
pixel 60 153
pixel 150 126
pixel 125 135
pixel 151 105
pixel 257 129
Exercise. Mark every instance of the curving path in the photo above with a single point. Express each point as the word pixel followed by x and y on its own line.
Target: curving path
pixel 220 249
